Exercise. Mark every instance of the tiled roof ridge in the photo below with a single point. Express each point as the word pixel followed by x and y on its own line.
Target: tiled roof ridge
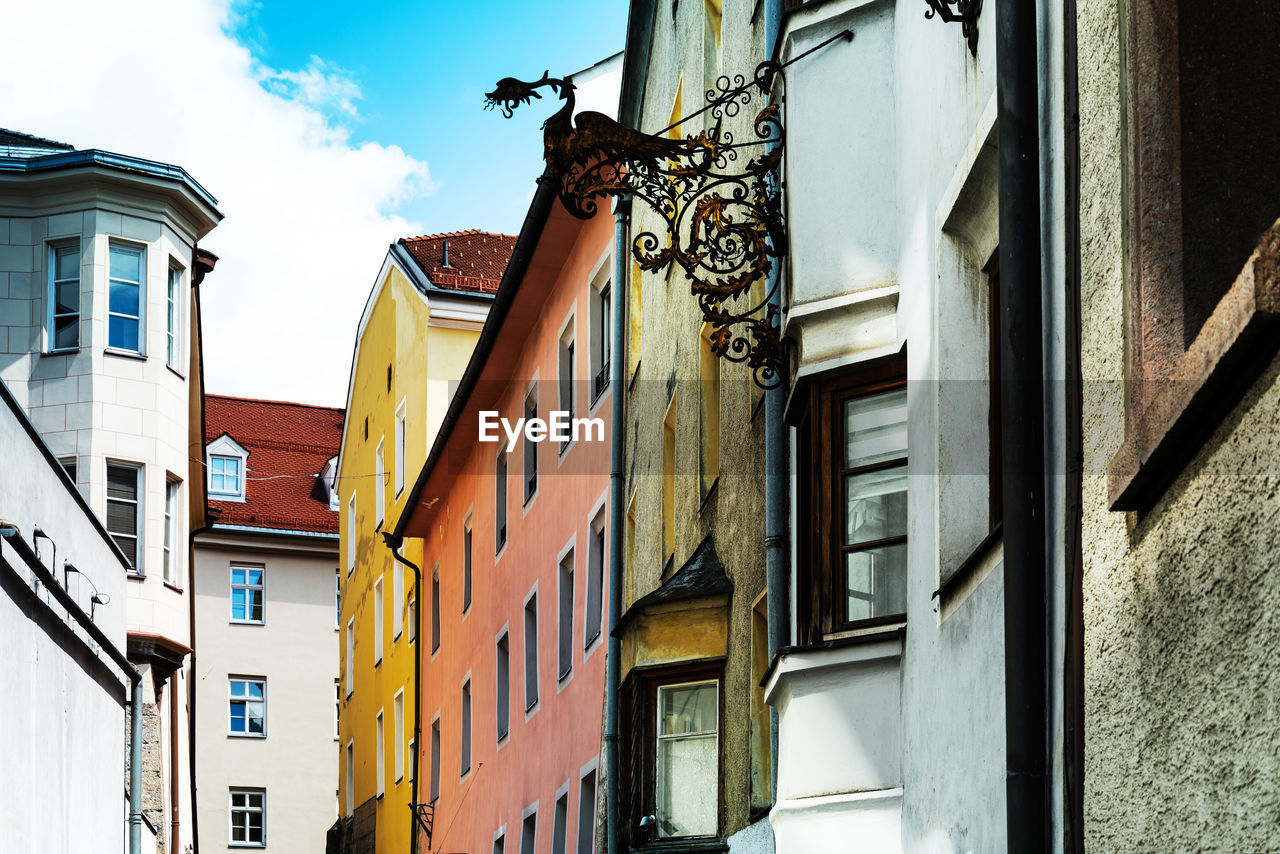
pixel 463 233
pixel 43 141
pixel 249 443
pixel 272 402
pixel 278 520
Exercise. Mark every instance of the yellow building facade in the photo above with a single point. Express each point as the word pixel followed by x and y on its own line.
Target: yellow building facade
pixel 414 340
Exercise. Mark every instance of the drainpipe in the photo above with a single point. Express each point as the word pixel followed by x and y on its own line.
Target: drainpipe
pixel 1026 600
pixel 776 480
pixel 613 662
pixel 395 542
pixel 14 538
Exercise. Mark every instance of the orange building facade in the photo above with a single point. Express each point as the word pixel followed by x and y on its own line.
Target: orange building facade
pixel 514 617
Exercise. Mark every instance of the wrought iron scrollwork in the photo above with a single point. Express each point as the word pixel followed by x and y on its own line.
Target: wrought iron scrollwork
pixel 719 199
pixel 965 12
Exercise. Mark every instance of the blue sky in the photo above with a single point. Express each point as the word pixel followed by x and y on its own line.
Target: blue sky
pixel 422 70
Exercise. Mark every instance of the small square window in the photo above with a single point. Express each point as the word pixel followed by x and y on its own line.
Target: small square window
pixel 226 477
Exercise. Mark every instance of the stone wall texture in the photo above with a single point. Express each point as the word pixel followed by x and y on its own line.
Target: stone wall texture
pixel 1182 628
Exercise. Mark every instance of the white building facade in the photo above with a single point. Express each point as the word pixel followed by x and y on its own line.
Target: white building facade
pixel 99 342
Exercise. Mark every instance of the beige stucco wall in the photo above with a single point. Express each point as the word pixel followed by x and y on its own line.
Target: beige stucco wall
pixel 297 762
pixel 1181 623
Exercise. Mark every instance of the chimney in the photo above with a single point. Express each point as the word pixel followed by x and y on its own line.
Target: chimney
pixel 445 262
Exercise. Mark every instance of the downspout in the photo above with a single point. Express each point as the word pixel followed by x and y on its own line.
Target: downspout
pixel 175 822
pixel 395 542
pixel 617 439
pixel 776 479
pixel 1026 600
pixel 86 622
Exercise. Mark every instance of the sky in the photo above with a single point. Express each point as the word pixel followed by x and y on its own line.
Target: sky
pixel 326 131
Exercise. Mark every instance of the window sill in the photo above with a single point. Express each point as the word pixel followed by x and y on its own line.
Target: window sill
pixel 247 622
pixel 175 588
pixel 136 576
pixel 1234 346
pixel 68 351
pixel 177 373
pixel 125 354
pixel 248 735
pixel 973 569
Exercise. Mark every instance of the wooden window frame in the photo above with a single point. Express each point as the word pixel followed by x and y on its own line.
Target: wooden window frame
pixel 819 471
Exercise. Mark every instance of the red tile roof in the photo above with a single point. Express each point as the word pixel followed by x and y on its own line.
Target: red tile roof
pixel 288 445
pixel 477 259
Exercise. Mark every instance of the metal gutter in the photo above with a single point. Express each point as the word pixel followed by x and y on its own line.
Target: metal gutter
pixel 394 542
pixel 635 61
pixel 530 233
pixel 1026 588
pixel 275 532
pixel 109 160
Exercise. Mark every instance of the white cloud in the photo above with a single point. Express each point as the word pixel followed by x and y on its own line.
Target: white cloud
pixel 309 213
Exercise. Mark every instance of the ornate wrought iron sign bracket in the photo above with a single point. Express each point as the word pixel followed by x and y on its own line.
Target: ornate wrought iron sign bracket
pixel 966 12
pixel 425 815
pixel 719 199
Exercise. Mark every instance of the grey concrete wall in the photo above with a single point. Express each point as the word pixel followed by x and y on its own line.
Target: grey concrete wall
pixel 1182 695
pixel 63 707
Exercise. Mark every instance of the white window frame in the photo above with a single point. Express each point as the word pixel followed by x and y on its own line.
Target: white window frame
pixel 351 533
pixel 567 372
pixel 379 484
pixel 397 719
pixel 437 636
pixel 351 657
pixel 138 501
pixel 141 316
pixel 466 727
pixel 597 579
pixel 172 553
pixel 530 651
pixel 566 595
pixel 402 429
pixel 51 292
pixel 585 842
pixel 498 687
pixel 222 449
pixel 380 753
pixel 232 697
pixel 411 620
pixel 337 709
pixel 659 738
pixel 351 776
pixel 337 600
pixel 397 601
pixel 261 587
pixel 377 621
pixel 232 810
pixel 468 566
pixel 173 316
pixel 561 817
pixel 600 333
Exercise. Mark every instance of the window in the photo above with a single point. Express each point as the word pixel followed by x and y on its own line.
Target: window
pixel 435 760
pixel 172 552
pixel 593 617
pixel 669 484
pixel 531 651
pixel 329 474
pixel 587 813
pixel 402 427
pixel 565 615
pixel 248 707
pixel 124 511
pixel 125 299
pixel 337 707
pixel 351 655
pixel 567 374
pixel 380 749
pixel 351 533
pixel 377 621
pixel 687 777
pixel 529 833
pixel 500 502
pixel 351 777
pixel 435 609
pixel 412 619
pixel 530 447
pixel 464 764
pixel 1197 124
pixel 64 298
pixel 397 600
pixel 337 599
pixel 248 594
pixel 852 466
pixel 601 330
pixel 500 844
pixel 397 717
pixel 413 762
pixel 502 714
pixel 466 564
pixel 225 477
pixel 709 412
pixel 173 318
pixel 559 820
pixel 379 486
pixel 248 818
pixel 69 466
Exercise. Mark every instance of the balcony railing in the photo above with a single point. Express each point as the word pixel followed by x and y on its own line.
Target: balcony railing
pixel 455 282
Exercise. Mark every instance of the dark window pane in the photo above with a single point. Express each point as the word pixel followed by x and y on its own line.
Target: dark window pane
pixel 66 297
pixel 122 333
pixel 124 298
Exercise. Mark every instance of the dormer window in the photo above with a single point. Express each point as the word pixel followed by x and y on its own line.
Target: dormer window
pixel 329 477
pixel 228 467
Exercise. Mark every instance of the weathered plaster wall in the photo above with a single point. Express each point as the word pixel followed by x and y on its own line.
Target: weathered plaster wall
pixel 1181 625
